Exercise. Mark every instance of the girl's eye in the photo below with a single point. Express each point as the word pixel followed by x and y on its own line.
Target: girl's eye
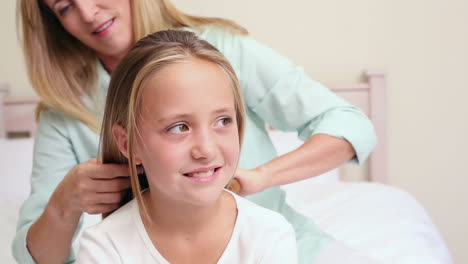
pixel 223 122
pixel 179 128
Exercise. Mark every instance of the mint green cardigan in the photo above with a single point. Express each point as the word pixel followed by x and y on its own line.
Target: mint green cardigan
pixel 275 92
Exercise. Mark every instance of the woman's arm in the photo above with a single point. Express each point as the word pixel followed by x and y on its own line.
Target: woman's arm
pixel 50 216
pixel 89 187
pixel 280 94
pixel 49 238
pixel 317 155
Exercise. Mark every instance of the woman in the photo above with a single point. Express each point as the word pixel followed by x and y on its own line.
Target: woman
pixel 71 47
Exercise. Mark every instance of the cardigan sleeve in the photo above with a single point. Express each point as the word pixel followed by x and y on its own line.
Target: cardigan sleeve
pixel 282 95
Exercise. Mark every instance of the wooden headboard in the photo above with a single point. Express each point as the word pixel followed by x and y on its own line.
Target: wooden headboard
pixel 17 116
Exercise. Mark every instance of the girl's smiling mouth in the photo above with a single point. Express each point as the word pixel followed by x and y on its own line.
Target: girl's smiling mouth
pixel 204 175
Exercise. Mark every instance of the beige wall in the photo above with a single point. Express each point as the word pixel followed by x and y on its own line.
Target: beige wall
pixel 12 70
pixel 423 47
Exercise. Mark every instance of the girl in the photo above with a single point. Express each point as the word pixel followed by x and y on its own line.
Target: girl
pixel 174 107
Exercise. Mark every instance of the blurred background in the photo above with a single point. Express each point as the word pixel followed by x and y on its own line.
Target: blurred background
pixel 422 46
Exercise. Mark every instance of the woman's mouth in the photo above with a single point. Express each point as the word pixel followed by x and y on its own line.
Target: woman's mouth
pixel 103 28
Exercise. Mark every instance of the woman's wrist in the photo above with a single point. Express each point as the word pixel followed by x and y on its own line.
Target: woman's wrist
pixel 49 238
pixel 60 207
pixel 266 175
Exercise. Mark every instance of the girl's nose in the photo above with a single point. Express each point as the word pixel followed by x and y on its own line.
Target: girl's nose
pixel 204 147
pixel 87 10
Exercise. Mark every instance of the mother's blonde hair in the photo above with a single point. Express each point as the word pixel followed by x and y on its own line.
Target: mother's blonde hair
pixel 150 55
pixel 63 71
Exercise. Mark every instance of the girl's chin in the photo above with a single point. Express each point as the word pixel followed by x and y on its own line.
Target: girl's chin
pixel 199 198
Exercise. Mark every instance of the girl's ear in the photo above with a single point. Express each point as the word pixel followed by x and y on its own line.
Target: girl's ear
pixel 121 139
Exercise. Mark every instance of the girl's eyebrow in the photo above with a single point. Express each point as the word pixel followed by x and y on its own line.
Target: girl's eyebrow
pixel 172 117
pixel 186 116
pixel 224 110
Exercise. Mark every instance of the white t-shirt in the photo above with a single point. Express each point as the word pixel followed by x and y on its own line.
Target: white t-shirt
pixel 259 236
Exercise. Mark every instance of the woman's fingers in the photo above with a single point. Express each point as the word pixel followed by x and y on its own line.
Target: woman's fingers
pixel 113 185
pixel 234 186
pixel 250 181
pixel 108 198
pixel 95 169
pixel 102 208
pixel 103 202
pixel 94 176
pixel 96 187
pixel 110 171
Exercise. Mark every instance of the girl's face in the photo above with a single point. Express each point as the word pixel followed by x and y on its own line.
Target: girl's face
pixel 103 25
pixel 189 141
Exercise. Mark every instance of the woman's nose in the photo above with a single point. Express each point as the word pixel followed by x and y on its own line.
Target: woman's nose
pixel 204 147
pixel 87 9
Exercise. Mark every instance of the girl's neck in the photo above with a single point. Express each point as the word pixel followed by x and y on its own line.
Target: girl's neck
pixel 172 216
pixel 182 233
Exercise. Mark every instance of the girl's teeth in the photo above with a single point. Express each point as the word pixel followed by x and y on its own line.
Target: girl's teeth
pixel 201 174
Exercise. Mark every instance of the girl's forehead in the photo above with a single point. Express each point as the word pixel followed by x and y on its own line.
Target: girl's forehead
pixel 187 88
pixel 190 79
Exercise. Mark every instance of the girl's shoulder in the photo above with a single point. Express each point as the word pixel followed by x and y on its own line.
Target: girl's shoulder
pixel 122 219
pixel 254 213
pixel 257 231
pixel 119 238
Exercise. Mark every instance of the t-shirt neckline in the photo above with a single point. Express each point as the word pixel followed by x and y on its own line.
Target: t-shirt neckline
pixel 154 251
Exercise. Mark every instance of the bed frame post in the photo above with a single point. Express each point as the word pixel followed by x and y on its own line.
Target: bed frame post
pixel 4 90
pixel 378 112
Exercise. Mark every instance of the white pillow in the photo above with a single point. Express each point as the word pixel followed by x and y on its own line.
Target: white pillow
pixel 381 221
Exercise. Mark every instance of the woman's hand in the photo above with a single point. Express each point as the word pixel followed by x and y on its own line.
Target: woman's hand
pixel 317 155
pixel 251 181
pixel 92 187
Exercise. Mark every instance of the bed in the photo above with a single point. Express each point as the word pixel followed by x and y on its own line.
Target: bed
pixel 369 215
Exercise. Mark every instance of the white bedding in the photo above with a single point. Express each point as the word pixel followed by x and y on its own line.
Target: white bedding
pixel 15 168
pixel 382 221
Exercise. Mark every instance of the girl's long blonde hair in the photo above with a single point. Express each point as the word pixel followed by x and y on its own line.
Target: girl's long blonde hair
pixel 150 55
pixel 63 71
